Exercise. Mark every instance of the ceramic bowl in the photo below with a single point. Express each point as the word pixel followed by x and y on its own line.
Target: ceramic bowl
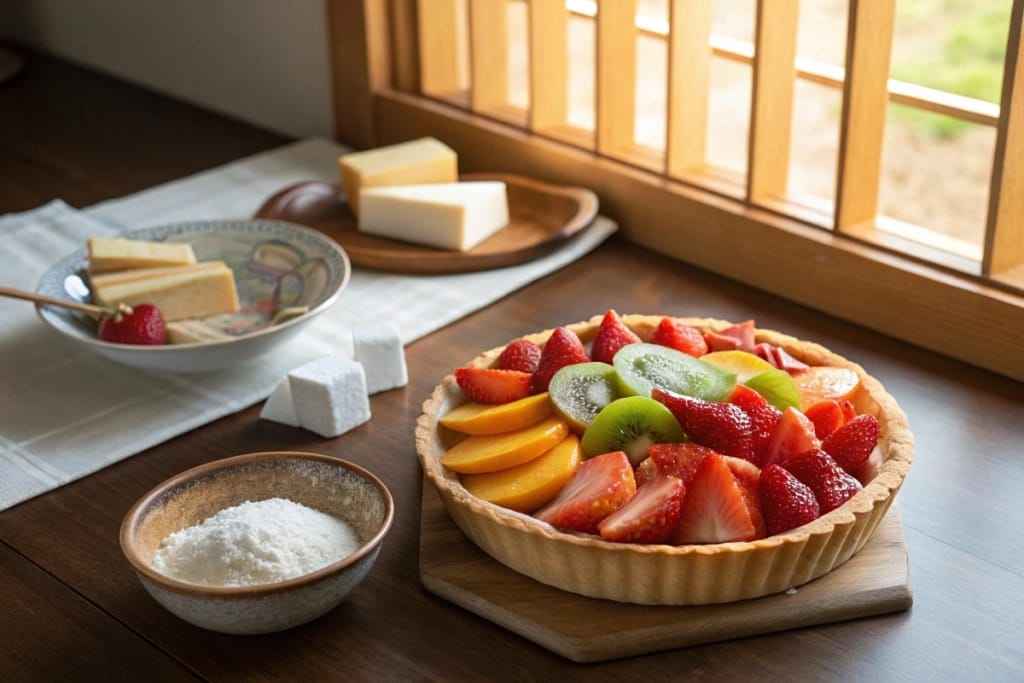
pixel 323 483
pixel 276 265
pixel 667 574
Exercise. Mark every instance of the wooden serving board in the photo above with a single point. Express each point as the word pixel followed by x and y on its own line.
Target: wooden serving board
pixel 874 581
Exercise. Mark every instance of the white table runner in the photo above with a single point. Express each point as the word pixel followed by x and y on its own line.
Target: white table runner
pixel 66 413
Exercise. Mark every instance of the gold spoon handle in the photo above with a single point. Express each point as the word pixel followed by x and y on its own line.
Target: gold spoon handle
pixel 94 311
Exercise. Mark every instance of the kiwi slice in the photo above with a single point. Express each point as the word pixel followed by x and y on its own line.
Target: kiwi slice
pixel 579 392
pixel 778 388
pixel 641 367
pixel 631 424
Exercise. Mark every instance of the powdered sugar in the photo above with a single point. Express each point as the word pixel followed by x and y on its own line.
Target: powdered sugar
pixel 255 543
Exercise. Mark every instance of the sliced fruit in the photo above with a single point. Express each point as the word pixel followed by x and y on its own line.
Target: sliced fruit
pixel 786 502
pixel 679 336
pixel 742 364
pixel 819 382
pixel 488 418
pixel 599 487
pixel 678 459
pixel 829 415
pixel 747 476
pixel 493 452
pixel 714 510
pixel 581 390
pixel 531 485
pixel 520 354
pixel 562 348
pixel 644 366
pixel 851 444
pixel 631 424
pixel 832 485
pixel 793 435
pixel 777 386
pixel 739 336
pixel 490 385
pixel 763 417
pixel 612 335
pixel 650 516
pixel 725 427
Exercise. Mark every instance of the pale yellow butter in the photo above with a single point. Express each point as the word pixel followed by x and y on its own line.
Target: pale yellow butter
pixel 426 160
pixel 456 216
pixel 115 253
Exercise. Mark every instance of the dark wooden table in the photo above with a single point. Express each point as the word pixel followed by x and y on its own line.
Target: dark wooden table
pixel 73 610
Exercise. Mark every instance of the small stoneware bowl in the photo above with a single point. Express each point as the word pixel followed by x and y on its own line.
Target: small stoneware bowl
pixel 323 483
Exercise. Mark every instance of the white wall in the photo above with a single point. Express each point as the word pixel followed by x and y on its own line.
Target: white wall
pixel 262 61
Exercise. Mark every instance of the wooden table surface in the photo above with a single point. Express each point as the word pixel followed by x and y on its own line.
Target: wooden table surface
pixel 73 610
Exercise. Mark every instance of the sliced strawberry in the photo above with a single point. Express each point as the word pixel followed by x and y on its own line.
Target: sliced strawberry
pixel 722 426
pixel 680 336
pixel 793 435
pixel 612 335
pixel 562 348
pixel 646 471
pixel 763 417
pixel 828 415
pixel 490 385
pixel 520 354
pixel 678 459
pixel 832 485
pixel 748 475
pixel 786 502
pixel 651 516
pixel 599 487
pixel 714 509
pixel 851 444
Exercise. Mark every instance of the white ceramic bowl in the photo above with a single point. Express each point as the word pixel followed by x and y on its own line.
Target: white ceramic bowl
pixel 323 483
pixel 276 264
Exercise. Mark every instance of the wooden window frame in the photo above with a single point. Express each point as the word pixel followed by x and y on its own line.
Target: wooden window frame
pixel 844 271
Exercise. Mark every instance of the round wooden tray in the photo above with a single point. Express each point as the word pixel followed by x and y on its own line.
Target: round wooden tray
pixel 542 216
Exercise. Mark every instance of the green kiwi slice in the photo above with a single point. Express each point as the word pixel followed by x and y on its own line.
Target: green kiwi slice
pixel 631 424
pixel 641 367
pixel 581 390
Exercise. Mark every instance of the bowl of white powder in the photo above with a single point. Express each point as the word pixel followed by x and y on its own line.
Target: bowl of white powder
pixel 260 542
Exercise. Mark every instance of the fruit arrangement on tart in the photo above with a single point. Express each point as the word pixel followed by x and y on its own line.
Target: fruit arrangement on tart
pixel 664 460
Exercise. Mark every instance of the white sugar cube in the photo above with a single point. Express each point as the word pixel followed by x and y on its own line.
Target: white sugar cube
pixel 279 406
pixel 329 395
pixel 378 347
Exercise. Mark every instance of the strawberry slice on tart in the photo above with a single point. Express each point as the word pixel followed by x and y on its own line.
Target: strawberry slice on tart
pixel 599 487
pixel 715 509
pixel 650 516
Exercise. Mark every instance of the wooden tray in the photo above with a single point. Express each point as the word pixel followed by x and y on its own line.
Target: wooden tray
pixel 541 217
pixel 874 581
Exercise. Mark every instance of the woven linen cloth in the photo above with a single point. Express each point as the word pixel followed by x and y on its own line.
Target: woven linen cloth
pixel 66 412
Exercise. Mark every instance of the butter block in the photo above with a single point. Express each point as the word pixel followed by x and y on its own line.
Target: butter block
pixel 456 216
pixel 194 291
pixel 329 395
pixel 279 406
pixel 116 253
pixel 378 348
pixel 426 160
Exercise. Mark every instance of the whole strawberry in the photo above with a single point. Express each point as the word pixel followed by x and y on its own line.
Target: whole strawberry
pixel 680 336
pixel 832 485
pixel 141 324
pixel 851 444
pixel 786 502
pixel 521 354
pixel 612 335
pixel 562 348
pixel 722 426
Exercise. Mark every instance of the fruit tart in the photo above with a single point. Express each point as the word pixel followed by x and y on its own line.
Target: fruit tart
pixel 659 460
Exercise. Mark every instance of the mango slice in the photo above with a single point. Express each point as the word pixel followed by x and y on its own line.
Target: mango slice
pixel 493 452
pixel 529 486
pixel 820 382
pixel 483 418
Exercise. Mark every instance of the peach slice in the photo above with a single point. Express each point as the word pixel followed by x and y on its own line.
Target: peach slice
pixel 493 452
pixel 529 486
pixel 485 418
pixel 818 383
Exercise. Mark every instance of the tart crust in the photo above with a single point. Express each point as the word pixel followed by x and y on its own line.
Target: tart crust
pixel 665 574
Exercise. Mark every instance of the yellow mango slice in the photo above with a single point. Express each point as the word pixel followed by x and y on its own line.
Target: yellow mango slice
pixel 529 486
pixel 484 418
pixel 493 452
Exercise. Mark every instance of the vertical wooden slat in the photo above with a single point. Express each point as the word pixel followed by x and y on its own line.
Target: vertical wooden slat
pixel 689 82
pixel 437 22
pixel 488 44
pixel 771 101
pixel 862 126
pixel 360 65
pixel 1004 234
pixel 616 75
pixel 549 64
pixel 404 46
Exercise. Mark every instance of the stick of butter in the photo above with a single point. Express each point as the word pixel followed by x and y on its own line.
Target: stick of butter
pixel 426 160
pixel 116 253
pixel 455 216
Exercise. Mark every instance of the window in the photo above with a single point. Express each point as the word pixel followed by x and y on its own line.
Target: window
pixel 691 120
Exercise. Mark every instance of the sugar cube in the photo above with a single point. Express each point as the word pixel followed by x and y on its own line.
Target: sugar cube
pixel 329 395
pixel 378 347
pixel 279 406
